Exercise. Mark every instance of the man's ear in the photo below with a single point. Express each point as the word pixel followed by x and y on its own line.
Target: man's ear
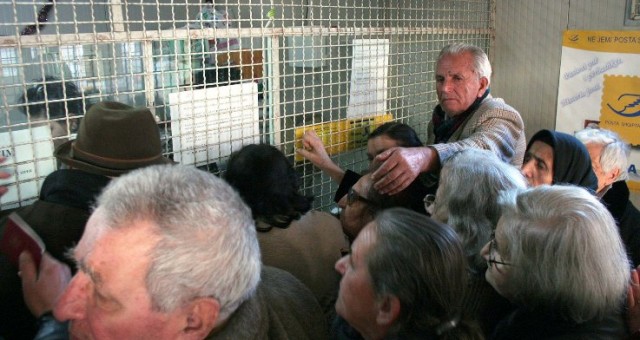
pixel 388 311
pixel 201 317
pixel 612 175
pixel 484 84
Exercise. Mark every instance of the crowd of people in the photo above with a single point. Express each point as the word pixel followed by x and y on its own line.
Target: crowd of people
pixel 476 234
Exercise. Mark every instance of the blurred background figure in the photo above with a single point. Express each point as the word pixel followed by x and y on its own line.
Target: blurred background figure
pixel 56 101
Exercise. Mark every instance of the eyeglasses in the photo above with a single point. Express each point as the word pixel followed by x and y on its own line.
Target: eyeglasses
pixel 429 201
pixel 492 250
pixel 353 196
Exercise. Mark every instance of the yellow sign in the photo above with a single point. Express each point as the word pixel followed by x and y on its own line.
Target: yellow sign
pixel 603 41
pixel 342 135
pixel 620 106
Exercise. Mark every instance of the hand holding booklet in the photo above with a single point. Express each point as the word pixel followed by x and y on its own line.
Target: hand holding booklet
pixel 18 236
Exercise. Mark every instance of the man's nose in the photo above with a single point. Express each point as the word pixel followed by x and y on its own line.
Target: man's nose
pixel 73 302
pixel 342 203
pixel 447 85
pixel 341 265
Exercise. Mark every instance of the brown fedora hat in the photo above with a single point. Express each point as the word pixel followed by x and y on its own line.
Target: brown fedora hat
pixel 114 138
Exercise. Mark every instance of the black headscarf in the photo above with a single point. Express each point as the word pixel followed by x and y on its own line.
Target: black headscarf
pixel 571 161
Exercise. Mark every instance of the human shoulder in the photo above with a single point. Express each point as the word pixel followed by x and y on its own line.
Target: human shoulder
pixel 493 106
pixel 293 310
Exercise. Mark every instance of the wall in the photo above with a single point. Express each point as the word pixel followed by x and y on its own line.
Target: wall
pixel 527 51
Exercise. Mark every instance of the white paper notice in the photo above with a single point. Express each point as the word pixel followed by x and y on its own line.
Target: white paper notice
pixel 369 70
pixel 29 154
pixel 208 124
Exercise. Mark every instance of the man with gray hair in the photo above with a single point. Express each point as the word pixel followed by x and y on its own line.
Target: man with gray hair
pixel 609 159
pixel 467 116
pixel 171 252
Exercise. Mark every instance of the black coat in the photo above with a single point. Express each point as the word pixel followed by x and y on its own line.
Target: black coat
pixel 58 217
pixel 524 324
pixel 627 217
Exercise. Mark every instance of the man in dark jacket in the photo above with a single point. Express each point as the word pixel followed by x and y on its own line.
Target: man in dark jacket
pixel 113 138
pixel 609 158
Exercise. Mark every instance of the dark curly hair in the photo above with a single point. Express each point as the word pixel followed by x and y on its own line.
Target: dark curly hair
pixel 404 134
pixel 267 182
pixel 54 96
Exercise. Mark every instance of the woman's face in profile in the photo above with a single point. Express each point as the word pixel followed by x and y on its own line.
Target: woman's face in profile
pixel 354 214
pixel 499 268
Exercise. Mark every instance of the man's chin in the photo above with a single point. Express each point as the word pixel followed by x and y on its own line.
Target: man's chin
pixel 76 334
pixel 451 110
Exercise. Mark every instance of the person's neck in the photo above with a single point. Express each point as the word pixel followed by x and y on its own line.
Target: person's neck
pixel 603 191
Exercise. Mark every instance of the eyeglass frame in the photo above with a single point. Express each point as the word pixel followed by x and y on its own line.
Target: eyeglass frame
pixel 492 260
pixel 353 196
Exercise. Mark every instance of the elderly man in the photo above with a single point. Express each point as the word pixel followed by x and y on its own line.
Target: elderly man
pixel 171 253
pixel 467 117
pixel 609 157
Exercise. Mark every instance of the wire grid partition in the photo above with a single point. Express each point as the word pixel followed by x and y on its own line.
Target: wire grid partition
pixel 221 75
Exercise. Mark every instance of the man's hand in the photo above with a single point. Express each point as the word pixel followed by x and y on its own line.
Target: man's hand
pixel 401 166
pixel 313 150
pixel 3 175
pixel 42 288
pixel 633 302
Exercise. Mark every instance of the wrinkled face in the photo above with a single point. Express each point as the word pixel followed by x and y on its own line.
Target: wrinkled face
pixel 356 301
pixel 497 273
pixel 457 84
pixel 355 214
pixel 108 298
pixel 379 144
pixel 537 167
pixel 604 178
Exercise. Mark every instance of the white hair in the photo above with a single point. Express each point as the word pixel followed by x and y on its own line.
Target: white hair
pixel 615 151
pixel 565 253
pixel 468 196
pixel 481 64
pixel 208 245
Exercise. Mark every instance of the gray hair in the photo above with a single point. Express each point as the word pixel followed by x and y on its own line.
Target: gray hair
pixel 481 64
pixel 565 253
pixel 468 196
pixel 421 262
pixel 615 151
pixel 208 245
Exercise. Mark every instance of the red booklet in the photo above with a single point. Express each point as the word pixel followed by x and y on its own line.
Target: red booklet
pixel 18 237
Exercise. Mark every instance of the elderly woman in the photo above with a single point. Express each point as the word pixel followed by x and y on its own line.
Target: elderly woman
pixel 468 200
pixel 554 157
pixel 557 255
pixel 404 279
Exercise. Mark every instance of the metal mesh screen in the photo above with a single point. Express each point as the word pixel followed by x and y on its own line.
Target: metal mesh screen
pixel 220 75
